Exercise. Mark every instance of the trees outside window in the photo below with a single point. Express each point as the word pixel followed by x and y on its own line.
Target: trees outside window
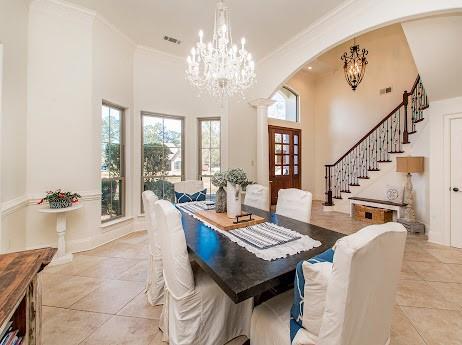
pixel 162 152
pixel 112 163
pixel 209 151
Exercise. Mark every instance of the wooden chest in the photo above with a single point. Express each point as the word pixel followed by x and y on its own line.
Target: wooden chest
pixel 373 215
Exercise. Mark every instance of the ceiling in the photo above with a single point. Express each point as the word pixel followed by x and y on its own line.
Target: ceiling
pixel 266 24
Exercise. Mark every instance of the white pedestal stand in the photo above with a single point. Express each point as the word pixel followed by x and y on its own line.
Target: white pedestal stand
pixel 61 257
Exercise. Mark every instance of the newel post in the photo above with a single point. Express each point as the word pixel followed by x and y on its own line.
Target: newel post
pixel 405 129
pixel 329 200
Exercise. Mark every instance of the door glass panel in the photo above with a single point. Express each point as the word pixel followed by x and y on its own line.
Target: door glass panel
pixel 296 170
pixel 286 159
pixel 277 159
pixel 277 137
pixel 277 148
pixel 295 149
pixel 296 139
pixel 277 170
pixel 286 138
pixel 286 170
pixel 286 149
pixel 295 159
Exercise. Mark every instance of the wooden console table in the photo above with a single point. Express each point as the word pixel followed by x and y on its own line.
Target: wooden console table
pixel 389 205
pixel 20 292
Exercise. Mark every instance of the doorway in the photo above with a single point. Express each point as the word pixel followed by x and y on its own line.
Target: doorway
pixel 284 159
pixel 456 182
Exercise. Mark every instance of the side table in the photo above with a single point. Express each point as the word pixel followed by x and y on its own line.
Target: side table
pixel 61 256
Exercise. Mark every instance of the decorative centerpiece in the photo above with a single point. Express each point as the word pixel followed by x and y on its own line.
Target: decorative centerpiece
pixel 219 180
pixel 60 199
pixel 236 179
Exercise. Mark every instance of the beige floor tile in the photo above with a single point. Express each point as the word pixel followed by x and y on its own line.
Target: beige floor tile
pixel 109 297
pixel 408 273
pixel 140 307
pixel 121 330
pixel 447 255
pixel 451 291
pixel 417 253
pixel 129 251
pixel 402 330
pixel 68 327
pixel 103 250
pixel 420 294
pixel 137 273
pixel 139 237
pixel 435 271
pixel 109 268
pixel 79 263
pixel 63 290
pixel 437 327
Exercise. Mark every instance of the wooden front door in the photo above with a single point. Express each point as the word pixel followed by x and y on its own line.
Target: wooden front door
pixel 284 159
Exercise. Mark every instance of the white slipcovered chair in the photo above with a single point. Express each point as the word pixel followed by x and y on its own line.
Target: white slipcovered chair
pixel 189 186
pixel 196 310
pixel 155 279
pixel 294 203
pixel 257 196
pixel 359 298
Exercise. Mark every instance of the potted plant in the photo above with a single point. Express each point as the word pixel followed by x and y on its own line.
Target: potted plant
pixel 219 180
pixel 236 179
pixel 60 199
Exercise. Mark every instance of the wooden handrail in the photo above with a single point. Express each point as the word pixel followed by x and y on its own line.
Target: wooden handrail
pixel 378 125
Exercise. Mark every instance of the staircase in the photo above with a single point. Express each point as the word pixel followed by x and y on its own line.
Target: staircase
pixel 377 146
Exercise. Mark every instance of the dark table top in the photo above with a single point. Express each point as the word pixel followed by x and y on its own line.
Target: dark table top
pixel 240 273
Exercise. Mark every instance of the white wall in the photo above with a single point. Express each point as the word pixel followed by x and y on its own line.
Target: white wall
pixel 436 45
pixel 13 38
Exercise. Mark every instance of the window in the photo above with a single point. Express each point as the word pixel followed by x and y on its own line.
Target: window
pixel 209 151
pixel 112 163
pixel 285 106
pixel 163 147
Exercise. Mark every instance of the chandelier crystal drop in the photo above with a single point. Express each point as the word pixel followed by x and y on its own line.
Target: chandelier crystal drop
pixel 220 67
pixel 354 65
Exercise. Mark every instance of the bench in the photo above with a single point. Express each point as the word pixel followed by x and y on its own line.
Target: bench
pixel 386 204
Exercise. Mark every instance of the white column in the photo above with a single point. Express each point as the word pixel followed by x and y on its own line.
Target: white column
pixel 262 105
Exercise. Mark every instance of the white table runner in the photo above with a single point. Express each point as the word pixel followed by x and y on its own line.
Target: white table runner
pixel 252 239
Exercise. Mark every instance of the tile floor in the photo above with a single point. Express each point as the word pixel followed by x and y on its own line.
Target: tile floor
pixel 98 299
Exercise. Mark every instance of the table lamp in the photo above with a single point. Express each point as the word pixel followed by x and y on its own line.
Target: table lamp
pixel 409 165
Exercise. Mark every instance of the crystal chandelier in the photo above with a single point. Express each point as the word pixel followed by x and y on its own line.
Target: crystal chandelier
pixel 220 67
pixel 354 65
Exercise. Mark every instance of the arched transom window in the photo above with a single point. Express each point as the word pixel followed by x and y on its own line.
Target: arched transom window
pixel 285 106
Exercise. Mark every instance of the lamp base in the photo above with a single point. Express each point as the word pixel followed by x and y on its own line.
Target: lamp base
pixel 409 199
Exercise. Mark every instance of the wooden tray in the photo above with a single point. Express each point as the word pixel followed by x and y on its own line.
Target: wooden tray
pixel 221 220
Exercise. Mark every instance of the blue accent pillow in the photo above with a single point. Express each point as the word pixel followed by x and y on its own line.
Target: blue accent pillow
pixel 296 312
pixel 183 197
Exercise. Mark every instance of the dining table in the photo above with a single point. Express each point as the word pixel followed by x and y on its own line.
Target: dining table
pixel 240 273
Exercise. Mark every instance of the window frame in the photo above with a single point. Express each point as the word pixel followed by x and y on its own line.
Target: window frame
pixel 183 158
pixel 122 176
pixel 297 105
pixel 200 120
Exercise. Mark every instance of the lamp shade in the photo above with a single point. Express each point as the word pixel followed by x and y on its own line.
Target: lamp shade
pixel 410 164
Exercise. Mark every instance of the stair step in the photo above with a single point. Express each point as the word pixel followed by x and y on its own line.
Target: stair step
pixel 355 184
pixel 419 120
pixel 373 169
pixel 386 161
pixel 337 197
pixel 395 151
pixel 413 132
pixel 364 177
pixel 345 191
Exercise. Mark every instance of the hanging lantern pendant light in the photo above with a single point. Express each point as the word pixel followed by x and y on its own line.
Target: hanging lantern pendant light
pixel 354 65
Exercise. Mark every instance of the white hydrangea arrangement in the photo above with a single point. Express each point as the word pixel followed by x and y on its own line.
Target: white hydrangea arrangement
pixel 219 179
pixel 236 177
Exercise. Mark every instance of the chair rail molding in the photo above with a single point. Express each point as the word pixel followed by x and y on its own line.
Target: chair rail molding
pixel 262 105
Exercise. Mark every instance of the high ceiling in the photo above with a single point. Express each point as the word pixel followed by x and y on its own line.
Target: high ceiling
pixel 266 24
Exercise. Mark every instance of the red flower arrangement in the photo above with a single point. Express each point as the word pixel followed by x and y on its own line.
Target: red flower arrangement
pixel 59 195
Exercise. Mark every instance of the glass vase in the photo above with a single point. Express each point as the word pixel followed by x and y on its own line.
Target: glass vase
pixel 220 201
